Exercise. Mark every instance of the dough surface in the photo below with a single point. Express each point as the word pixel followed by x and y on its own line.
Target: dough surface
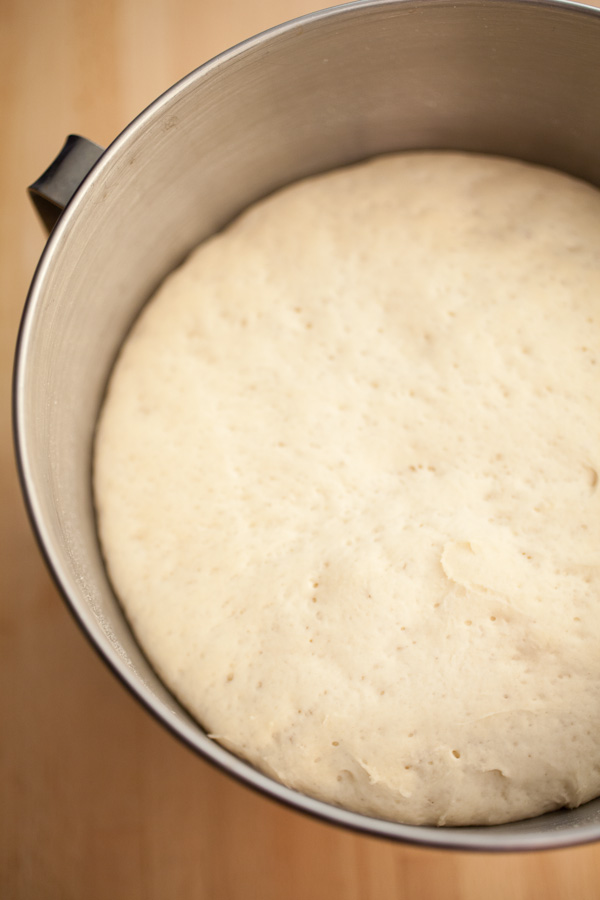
pixel 346 480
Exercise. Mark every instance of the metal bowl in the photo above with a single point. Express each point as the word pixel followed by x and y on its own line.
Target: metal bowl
pixel 511 77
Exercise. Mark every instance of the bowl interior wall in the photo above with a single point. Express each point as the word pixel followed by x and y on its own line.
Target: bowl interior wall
pixel 511 78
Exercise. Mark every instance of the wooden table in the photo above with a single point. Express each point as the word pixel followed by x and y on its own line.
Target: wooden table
pixel 96 800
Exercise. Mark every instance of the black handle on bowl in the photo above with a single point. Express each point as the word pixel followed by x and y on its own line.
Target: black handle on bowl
pixel 53 190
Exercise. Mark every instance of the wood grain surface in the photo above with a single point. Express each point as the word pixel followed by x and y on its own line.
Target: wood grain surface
pixel 97 801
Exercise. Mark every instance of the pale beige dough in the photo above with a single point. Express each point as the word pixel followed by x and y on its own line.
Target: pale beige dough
pixel 346 482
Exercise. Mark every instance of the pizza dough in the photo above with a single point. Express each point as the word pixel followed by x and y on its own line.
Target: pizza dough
pixel 346 480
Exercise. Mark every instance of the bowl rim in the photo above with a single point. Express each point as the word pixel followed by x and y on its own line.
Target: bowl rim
pixel 479 838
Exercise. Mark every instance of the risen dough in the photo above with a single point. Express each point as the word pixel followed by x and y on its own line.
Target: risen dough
pixel 346 481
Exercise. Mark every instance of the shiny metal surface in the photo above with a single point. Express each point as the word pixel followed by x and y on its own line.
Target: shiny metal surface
pixel 510 77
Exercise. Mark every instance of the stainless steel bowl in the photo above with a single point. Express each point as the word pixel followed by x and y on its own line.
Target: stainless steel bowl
pixel 512 77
